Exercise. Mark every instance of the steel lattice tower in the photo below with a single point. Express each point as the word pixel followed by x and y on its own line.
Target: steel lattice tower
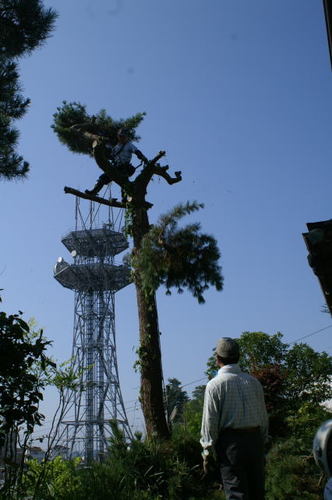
pixel 95 278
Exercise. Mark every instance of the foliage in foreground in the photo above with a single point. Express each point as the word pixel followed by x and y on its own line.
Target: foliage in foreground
pixel 24 374
pixel 144 470
pixel 154 470
pixel 292 473
pixel 25 371
pixel 151 470
pixel 23 364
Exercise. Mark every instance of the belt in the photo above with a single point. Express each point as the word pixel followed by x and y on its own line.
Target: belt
pixel 241 429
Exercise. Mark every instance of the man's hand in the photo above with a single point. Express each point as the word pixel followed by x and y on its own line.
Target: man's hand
pixel 210 466
pixel 205 456
pixel 205 466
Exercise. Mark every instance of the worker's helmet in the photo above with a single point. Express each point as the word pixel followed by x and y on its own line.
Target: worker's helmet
pixel 322 447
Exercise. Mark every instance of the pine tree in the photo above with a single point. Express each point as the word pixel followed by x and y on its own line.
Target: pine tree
pixel 24 26
pixel 162 254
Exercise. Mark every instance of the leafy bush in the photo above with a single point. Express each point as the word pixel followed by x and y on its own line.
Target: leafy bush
pixel 143 470
pixel 60 479
pixel 292 473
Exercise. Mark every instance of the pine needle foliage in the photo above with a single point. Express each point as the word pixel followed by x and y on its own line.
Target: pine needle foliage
pixel 24 26
pixel 178 257
pixel 72 114
pixel 12 107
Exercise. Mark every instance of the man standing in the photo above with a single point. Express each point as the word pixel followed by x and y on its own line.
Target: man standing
pixel 234 425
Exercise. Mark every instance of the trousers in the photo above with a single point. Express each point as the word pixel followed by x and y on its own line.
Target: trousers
pixel 241 459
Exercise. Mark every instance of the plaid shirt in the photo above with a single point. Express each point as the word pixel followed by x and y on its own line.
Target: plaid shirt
pixel 233 399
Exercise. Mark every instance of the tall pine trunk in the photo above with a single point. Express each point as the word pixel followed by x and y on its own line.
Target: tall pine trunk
pixel 149 352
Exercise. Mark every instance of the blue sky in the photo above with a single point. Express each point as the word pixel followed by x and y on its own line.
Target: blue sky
pixel 239 95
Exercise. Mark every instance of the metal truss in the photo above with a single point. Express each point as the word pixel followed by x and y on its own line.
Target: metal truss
pixel 95 277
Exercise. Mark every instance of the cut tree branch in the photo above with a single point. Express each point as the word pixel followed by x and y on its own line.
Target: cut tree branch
pixel 153 168
pixel 162 172
pixel 113 202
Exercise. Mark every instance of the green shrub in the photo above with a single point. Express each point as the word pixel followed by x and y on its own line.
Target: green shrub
pixel 143 470
pixel 57 478
pixel 291 472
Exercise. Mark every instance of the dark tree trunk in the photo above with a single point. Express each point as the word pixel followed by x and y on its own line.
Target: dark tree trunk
pixel 149 352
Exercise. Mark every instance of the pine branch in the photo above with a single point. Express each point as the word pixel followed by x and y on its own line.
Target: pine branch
pixel 71 117
pixel 178 258
pixel 24 26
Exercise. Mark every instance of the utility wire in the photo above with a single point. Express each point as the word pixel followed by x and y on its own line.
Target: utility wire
pixel 311 334
pixel 294 342
pixel 135 407
pixel 194 382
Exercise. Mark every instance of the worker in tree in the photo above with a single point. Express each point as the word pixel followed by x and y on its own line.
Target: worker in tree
pixel 120 157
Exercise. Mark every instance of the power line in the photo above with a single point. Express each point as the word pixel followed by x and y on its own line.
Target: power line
pixel 311 334
pixel 294 342
pixel 135 408
pixel 194 382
